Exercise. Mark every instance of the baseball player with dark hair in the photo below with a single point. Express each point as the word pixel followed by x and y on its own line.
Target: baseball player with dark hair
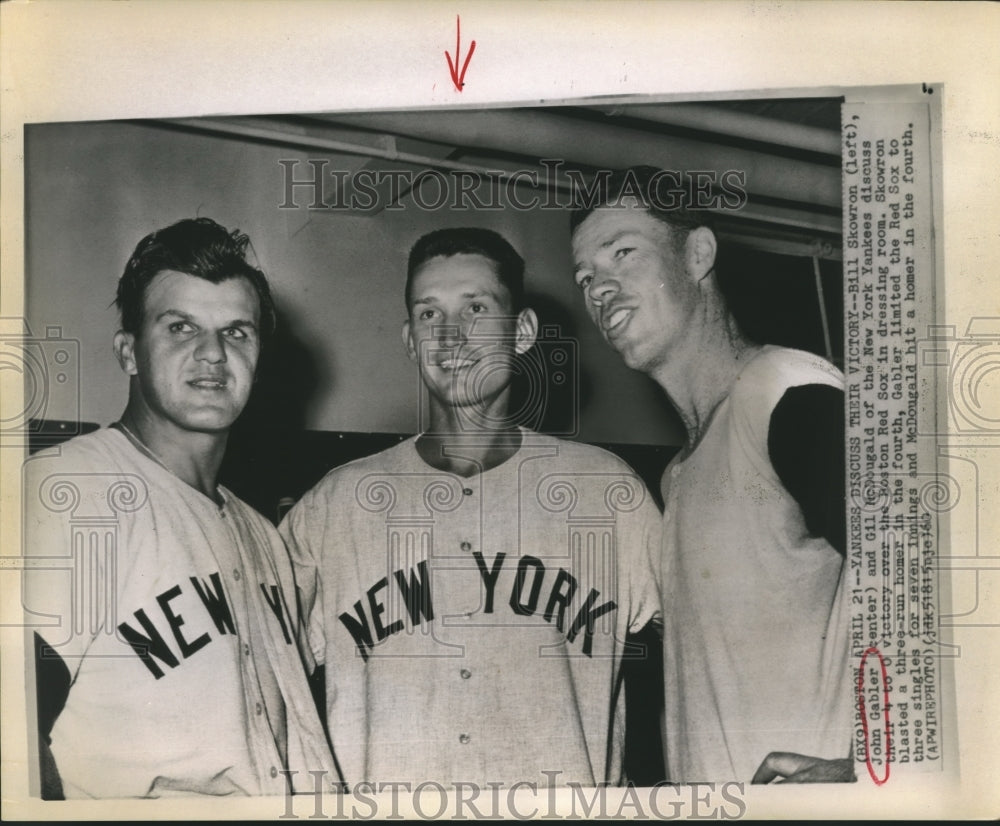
pixel 755 638
pixel 164 613
pixel 469 590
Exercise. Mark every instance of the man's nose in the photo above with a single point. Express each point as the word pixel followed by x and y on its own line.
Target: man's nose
pixel 211 348
pixel 602 287
pixel 449 335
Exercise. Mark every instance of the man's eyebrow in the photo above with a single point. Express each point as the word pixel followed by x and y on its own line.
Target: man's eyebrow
pixel 172 313
pixel 430 299
pixel 176 313
pixel 614 239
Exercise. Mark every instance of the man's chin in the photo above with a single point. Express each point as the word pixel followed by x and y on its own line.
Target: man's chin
pixel 457 400
pixel 211 422
pixel 462 400
pixel 212 430
pixel 633 358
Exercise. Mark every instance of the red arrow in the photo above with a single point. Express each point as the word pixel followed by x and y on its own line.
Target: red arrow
pixel 456 78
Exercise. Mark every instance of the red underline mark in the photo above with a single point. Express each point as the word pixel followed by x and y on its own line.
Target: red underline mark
pixel 864 716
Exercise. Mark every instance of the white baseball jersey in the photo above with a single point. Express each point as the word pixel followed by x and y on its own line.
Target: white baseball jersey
pixel 472 629
pixel 755 642
pixel 177 620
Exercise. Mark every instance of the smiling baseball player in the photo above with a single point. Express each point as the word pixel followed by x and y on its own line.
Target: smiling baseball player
pixel 469 590
pixel 163 606
pixel 756 632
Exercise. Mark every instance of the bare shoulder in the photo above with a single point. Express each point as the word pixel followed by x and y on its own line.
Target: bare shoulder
pixel 766 377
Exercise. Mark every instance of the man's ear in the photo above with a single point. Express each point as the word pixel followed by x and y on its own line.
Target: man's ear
pixel 701 248
pixel 124 345
pixel 527 330
pixel 408 343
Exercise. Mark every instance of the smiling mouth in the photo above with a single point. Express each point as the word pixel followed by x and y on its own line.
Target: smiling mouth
pixel 617 320
pixel 452 364
pixel 208 384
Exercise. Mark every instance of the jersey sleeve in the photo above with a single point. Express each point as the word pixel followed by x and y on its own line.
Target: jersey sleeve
pixel 69 589
pixel 806 446
pixel 66 590
pixel 640 552
pixel 299 531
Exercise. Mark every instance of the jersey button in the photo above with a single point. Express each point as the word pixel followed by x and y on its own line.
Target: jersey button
pixel 274 772
pixel 246 650
pixel 260 708
pixel 236 574
pixel 467 491
pixel 465 673
pixel 466 546
pixel 464 739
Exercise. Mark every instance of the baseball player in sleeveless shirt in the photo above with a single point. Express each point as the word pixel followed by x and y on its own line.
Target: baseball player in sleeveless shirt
pixel 755 638
pixel 468 591
pixel 163 607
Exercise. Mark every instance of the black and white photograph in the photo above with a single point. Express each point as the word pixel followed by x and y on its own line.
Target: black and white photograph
pixel 466 450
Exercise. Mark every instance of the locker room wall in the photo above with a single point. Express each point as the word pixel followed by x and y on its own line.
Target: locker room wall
pixel 94 189
pixel 337 365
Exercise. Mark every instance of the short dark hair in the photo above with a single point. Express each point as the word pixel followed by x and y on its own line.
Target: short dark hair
pixel 665 194
pixel 193 246
pixel 470 241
